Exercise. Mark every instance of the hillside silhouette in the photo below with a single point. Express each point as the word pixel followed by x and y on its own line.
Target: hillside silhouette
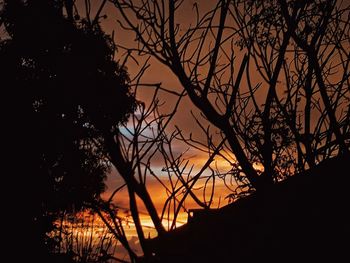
pixel 302 219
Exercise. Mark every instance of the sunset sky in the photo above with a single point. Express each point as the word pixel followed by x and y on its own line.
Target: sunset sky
pixel 158 73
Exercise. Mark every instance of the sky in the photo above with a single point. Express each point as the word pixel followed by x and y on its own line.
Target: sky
pixel 158 73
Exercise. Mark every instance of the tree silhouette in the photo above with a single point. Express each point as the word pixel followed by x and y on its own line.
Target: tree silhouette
pixel 269 78
pixel 68 93
pixel 292 48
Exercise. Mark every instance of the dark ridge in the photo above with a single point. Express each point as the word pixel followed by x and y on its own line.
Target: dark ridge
pixel 302 219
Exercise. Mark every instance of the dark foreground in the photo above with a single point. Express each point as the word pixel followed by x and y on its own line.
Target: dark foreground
pixel 303 219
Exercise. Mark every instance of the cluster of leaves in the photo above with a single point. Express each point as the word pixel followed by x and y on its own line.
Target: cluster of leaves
pixel 67 92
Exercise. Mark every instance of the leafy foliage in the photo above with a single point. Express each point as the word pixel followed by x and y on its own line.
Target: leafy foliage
pixel 67 92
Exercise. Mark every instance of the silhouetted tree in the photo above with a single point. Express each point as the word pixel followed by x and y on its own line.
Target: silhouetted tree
pixel 67 94
pixel 271 82
pixel 264 119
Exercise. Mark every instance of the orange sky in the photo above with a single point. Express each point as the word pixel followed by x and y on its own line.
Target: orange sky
pixel 158 192
pixel 158 73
